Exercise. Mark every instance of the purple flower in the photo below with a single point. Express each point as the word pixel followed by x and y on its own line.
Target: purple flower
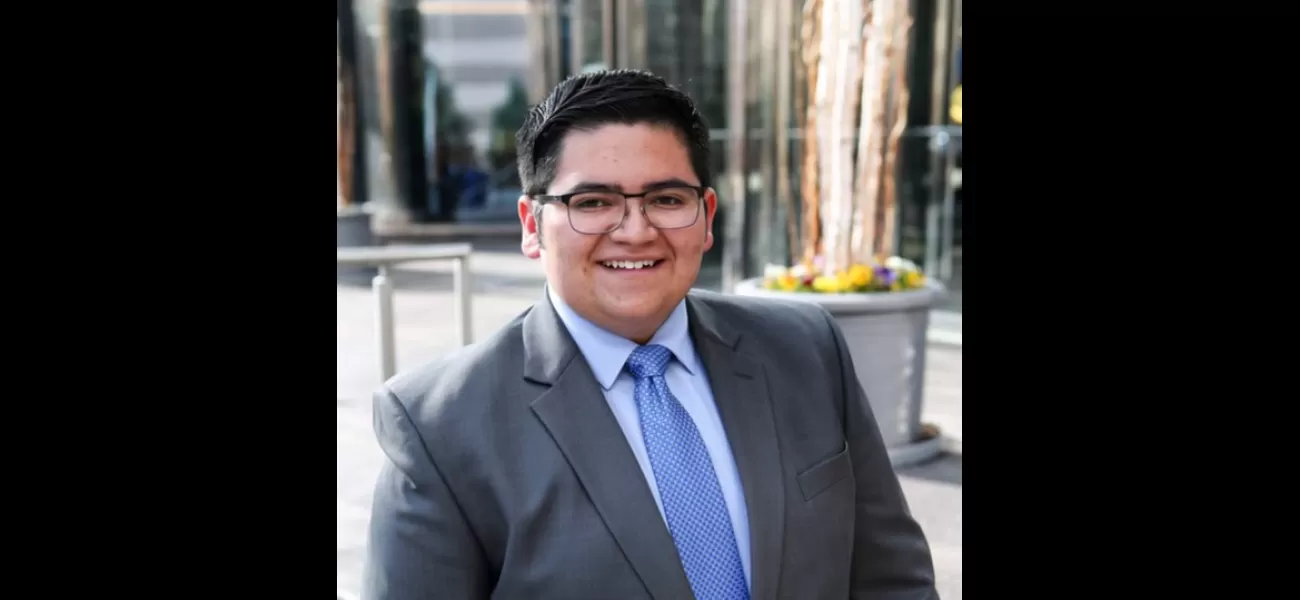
pixel 884 275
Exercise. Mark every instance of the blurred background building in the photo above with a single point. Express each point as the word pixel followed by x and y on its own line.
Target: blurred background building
pixel 442 86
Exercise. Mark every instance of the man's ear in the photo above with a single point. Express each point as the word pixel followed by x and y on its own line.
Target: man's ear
pixel 530 243
pixel 710 210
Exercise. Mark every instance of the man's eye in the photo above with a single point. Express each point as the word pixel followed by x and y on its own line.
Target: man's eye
pixel 589 202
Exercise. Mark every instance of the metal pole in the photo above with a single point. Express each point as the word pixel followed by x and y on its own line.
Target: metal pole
pixel 383 288
pixel 631 38
pixel 552 47
pixel 577 35
pixel 461 284
pixel 733 241
pixel 950 154
pixel 938 116
pixel 949 212
pixel 932 207
pixel 608 20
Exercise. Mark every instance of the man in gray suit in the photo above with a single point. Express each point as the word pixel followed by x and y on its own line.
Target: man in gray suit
pixel 627 437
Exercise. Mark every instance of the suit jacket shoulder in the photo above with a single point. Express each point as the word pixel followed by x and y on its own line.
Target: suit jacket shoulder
pixel 767 317
pixel 778 332
pixel 450 399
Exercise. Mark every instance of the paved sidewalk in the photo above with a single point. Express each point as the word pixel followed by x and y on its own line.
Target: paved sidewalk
pixel 505 283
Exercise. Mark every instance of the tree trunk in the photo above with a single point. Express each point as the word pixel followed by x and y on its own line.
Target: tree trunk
pixel 351 151
pixel 900 44
pixel 809 181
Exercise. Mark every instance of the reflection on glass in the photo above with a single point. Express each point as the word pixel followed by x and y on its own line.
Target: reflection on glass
pixel 774 97
pixel 589 34
pixel 686 45
pixel 477 69
pixel 378 179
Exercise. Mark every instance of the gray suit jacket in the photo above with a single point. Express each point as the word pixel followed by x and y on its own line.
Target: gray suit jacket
pixel 508 476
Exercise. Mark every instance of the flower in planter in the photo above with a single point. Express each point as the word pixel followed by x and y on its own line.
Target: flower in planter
pixel 787 282
pixel 860 276
pixel 895 274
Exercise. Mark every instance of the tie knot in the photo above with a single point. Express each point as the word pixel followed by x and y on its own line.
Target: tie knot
pixel 649 361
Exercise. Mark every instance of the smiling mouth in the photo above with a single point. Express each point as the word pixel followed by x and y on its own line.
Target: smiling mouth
pixel 630 265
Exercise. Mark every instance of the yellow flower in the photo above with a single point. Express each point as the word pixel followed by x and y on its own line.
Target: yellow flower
pixel 825 284
pixel 859 276
pixel 843 282
pixel 787 282
pixel 914 279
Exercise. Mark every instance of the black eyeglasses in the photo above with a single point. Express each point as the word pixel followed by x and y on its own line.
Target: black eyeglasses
pixel 601 212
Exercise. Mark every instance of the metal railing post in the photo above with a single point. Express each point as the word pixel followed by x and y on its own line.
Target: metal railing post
pixel 384 258
pixel 383 287
pixel 462 284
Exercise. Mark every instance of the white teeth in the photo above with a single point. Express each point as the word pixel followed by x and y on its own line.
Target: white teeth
pixel 628 264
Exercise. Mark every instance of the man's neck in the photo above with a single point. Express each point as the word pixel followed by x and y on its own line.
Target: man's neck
pixel 639 331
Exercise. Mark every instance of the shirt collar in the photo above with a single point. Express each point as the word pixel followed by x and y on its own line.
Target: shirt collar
pixel 607 352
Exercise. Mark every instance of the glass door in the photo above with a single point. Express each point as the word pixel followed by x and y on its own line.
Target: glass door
pixel 930 230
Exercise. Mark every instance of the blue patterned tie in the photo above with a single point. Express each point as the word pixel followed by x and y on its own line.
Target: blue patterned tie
pixel 693 504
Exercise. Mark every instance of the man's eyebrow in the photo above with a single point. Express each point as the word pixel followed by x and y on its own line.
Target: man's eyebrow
pixel 594 186
pixel 667 183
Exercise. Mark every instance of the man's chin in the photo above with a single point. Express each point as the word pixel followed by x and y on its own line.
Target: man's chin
pixel 638 311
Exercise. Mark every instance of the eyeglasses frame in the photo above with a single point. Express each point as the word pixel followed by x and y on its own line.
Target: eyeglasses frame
pixel 564 199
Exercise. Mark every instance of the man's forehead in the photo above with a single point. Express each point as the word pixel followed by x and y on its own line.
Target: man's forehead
pixel 613 157
pixel 577 177
pixel 616 137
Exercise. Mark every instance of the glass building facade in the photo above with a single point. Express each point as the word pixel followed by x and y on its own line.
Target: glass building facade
pixel 445 84
pixel 462 74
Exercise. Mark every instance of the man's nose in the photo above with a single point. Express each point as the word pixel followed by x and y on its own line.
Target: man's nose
pixel 635 227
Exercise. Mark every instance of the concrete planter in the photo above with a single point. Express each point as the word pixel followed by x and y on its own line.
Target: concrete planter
pixel 354 230
pixel 886 335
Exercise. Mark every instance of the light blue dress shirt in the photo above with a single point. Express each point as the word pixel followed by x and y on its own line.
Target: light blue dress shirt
pixel 607 353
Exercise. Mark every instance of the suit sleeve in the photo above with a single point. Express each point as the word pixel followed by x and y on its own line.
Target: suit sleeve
pixel 420 545
pixel 891 558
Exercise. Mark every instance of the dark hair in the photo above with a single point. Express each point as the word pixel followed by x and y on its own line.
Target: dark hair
pixel 624 96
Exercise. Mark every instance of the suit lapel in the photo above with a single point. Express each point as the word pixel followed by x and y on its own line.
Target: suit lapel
pixel 575 413
pixel 740 391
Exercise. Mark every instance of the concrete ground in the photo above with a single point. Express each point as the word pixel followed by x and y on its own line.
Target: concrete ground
pixel 505 283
